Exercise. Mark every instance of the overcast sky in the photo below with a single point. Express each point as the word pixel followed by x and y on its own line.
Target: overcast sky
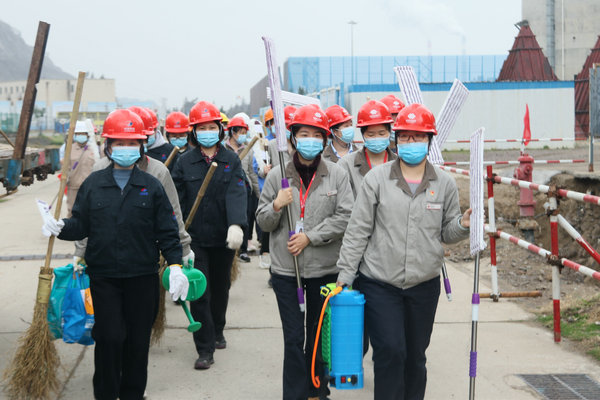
pixel 213 50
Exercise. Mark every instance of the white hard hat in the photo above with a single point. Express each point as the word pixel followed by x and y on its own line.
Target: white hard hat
pixel 81 127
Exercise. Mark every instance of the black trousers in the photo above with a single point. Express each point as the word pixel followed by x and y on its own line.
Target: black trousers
pixel 251 215
pixel 400 323
pixel 210 309
pixel 124 311
pixel 298 340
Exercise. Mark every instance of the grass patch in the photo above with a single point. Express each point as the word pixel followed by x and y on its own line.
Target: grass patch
pixel 580 322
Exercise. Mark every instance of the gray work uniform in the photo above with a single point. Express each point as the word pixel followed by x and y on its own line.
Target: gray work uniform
pixel 274 153
pixel 328 208
pixel 395 236
pixel 158 170
pixel 356 166
pixel 330 155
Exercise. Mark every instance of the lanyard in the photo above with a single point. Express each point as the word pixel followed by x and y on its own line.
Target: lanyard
pixel 303 198
pixel 369 161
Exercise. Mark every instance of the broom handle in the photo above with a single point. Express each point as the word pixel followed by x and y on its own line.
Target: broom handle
pixel 171 156
pixel 200 194
pixel 248 148
pixel 66 163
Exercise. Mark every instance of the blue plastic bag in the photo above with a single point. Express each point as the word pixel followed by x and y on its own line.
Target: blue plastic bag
pixel 77 311
pixel 62 278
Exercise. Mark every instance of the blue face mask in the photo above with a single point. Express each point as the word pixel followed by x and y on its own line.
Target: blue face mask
pixel 151 140
pixel 377 145
pixel 413 153
pixel 309 148
pixel 393 137
pixel 288 134
pixel 179 142
pixel 241 139
pixel 207 138
pixel 80 139
pixel 347 134
pixel 145 148
pixel 125 156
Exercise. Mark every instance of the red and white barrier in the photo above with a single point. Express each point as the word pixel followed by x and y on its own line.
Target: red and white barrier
pixel 515 162
pixel 518 140
pixel 545 253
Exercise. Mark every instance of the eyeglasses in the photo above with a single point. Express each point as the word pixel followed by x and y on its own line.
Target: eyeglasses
pixel 415 138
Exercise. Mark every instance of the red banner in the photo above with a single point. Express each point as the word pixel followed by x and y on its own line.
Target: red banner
pixel 527 129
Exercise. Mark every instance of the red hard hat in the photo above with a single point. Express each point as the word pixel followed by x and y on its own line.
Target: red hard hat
pixel 268 115
pixel 146 119
pixel 177 122
pixel 415 117
pixel 237 121
pixel 337 115
pixel 123 124
pixel 203 111
pixel 154 117
pixel 288 112
pixel 373 112
pixel 393 103
pixel 310 115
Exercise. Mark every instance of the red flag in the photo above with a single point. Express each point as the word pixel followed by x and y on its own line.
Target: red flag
pixel 527 129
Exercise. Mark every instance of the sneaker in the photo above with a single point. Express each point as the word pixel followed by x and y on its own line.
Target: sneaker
pixel 204 361
pixel 265 261
pixel 244 257
pixel 221 344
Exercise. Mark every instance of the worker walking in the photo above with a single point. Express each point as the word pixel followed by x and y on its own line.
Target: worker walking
pixel 375 123
pixel 83 157
pixel 273 152
pixel 321 201
pixel 342 134
pixel 217 229
pixel 395 105
pixel 156 147
pixel 403 213
pixel 126 215
pixel 177 126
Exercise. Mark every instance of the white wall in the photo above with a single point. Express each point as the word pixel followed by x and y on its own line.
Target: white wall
pixel 500 108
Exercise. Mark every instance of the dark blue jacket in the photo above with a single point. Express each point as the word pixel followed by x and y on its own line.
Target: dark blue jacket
pixel 125 228
pixel 162 152
pixel 224 202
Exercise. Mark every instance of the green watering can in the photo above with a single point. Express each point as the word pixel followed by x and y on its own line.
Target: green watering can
pixel 197 288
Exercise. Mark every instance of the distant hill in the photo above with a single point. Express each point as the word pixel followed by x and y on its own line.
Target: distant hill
pixel 15 57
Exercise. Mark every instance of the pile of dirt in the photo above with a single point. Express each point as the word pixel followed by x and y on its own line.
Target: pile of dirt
pixel 521 270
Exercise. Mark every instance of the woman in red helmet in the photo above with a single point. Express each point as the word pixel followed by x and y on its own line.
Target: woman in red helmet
pixel 321 201
pixel 342 134
pixel 217 229
pixel 177 126
pixel 395 105
pixel 403 213
pixel 375 123
pixel 126 216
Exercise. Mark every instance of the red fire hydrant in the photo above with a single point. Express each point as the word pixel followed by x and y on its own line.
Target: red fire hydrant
pixel 524 172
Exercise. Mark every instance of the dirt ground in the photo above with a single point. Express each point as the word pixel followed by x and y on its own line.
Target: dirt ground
pixel 520 270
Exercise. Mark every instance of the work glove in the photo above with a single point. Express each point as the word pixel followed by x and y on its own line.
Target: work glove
pixel 188 260
pixel 178 283
pixel 52 227
pixel 235 236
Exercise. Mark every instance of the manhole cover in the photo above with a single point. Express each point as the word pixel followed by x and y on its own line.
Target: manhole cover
pixel 564 386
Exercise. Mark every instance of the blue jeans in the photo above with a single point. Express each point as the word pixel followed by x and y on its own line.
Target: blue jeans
pixel 298 340
pixel 400 323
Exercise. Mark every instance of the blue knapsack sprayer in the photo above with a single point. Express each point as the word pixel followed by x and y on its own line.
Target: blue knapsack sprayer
pixel 341 321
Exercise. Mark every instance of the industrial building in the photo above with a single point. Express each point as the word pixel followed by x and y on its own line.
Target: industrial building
pixel 54 100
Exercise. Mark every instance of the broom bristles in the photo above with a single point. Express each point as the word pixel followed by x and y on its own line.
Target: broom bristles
pixel 158 329
pixel 235 268
pixel 32 372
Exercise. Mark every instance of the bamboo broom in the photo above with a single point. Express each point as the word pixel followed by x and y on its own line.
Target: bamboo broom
pixel 32 371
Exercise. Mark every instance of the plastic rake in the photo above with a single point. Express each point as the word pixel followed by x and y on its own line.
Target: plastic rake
pixel 279 119
pixel 477 244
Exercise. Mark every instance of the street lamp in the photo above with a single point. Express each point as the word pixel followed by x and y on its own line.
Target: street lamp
pixel 352 23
